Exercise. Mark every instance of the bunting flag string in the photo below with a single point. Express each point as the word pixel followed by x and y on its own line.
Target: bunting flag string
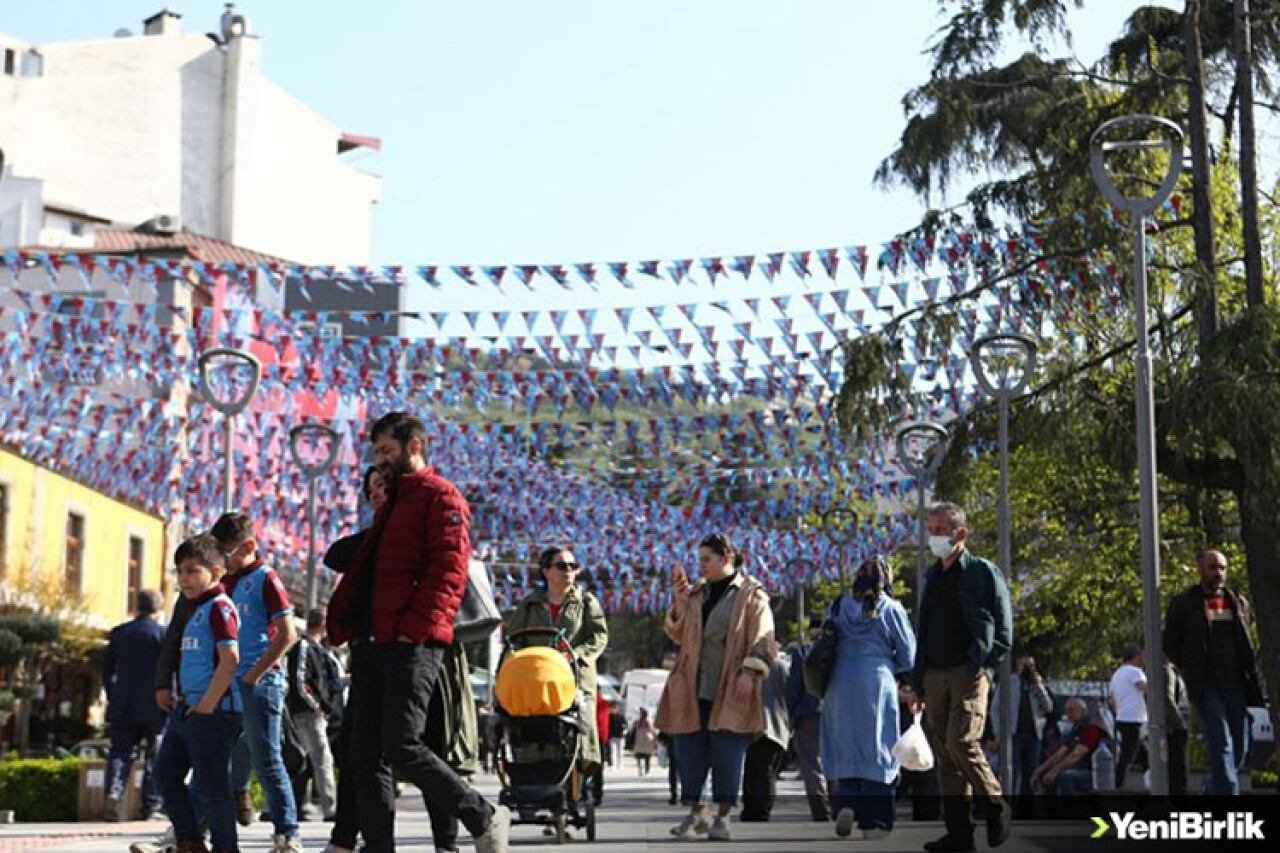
pixel 630 423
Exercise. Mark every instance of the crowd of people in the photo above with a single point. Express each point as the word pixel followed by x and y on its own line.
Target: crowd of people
pixel 237 687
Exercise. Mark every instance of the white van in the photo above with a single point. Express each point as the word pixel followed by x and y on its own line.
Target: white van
pixel 642 688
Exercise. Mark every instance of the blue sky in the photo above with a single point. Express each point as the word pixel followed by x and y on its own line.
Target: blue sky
pixel 570 130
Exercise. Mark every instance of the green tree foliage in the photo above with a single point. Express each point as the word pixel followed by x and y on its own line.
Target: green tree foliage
pixel 1024 126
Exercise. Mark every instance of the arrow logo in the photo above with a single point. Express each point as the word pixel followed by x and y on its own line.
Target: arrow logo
pixel 1103 828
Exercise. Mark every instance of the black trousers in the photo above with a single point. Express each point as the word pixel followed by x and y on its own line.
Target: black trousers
pixel 926 793
pixel 444 824
pixel 760 779
pixel 346 822
pixel 1130 739
pixel 391 687
pixel 1177 762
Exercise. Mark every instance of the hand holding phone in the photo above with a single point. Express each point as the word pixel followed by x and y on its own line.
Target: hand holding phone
pixel 681 581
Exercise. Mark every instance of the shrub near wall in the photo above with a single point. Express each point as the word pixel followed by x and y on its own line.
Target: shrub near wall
pixel 41 790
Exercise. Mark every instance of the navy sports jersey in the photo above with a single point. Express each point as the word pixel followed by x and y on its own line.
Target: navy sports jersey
pixel 213 625
pixel 260 599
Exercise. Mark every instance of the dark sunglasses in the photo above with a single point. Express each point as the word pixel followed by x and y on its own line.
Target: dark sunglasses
pixel 566 567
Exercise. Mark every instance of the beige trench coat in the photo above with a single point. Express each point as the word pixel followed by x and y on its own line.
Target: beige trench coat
pixel 750 645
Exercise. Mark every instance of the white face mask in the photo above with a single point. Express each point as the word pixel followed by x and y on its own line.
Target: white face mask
pixel 941 546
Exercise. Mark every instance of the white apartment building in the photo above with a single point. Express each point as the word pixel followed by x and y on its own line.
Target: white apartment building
pixel 180 131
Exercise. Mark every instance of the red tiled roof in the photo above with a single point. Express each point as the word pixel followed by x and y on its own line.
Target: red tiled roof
pixel 120 241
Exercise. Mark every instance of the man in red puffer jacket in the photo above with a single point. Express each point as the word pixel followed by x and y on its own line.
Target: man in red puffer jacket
pixel 396 606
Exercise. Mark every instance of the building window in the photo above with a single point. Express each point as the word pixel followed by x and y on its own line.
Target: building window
pixel 136 551
pixel 9 59
pixel 4 530
pixel 32 64
pixel 328 331
pixel 74 574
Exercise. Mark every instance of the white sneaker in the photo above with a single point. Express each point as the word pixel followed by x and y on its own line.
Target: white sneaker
pixel 286 844
pixel 872 834
pixel 498 834
pixel 844 823
pixel 166 843
pixel 694 823
pixel 720 829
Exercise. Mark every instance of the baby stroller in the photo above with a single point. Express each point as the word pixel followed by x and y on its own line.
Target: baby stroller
pixel 538 730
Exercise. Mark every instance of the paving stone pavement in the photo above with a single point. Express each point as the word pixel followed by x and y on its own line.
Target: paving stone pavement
pixel 634 817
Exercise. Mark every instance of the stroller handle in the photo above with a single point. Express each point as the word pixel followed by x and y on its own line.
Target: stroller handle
pixel 559 641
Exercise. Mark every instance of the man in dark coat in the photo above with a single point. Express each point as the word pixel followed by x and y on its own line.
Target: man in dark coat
pixel 132 713
pixel 1206 636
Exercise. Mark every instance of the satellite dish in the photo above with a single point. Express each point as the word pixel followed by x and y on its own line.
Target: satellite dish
pixel 123 33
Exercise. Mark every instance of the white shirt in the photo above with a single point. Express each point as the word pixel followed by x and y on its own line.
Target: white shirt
pixel 1126 689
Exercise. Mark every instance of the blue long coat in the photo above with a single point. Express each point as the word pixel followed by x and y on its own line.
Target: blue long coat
pixel 860 708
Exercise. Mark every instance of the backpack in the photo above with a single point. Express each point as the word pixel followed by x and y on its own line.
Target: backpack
pixel 820 661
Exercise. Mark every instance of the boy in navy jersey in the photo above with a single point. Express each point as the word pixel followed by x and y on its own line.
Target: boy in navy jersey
pixel 205 720
pixel 266 632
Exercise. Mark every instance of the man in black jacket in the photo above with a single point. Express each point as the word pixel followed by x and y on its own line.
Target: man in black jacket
pixel 1206 635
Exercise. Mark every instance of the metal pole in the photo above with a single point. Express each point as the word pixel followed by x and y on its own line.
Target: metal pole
pixel 312 467
pixel 1006 562
pixel 921 536
pixel 1139 207
pixel 228 469
pixel 800 616
pixel 311 544
pixel 1004 386
pixel 1150 520
pixel 228 358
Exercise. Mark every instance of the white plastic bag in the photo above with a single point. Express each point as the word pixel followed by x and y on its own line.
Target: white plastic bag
pixel 912 749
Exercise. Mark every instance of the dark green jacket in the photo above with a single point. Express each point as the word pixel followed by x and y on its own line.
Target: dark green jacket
pixel 460 733
pixel 988 614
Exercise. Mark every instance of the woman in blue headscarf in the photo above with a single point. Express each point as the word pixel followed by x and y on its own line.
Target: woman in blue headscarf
pixel 860 707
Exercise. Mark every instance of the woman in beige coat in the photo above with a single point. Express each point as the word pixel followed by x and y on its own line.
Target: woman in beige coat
pixel 711 705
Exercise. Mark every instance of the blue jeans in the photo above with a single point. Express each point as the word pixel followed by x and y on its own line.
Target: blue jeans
pixel 1226 729
pixel 199 743
pixel 241 766
pixel 1074 780
pixel 125 739
pixel 263 724
pixel 871 801
pixel 720 753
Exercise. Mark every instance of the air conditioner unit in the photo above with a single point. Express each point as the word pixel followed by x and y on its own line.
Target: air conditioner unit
pixel 164 223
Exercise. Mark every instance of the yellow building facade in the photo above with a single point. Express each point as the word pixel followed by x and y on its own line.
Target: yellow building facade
pixel 66 546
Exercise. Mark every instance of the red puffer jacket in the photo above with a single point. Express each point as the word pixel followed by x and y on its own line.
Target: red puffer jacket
pixel 418 550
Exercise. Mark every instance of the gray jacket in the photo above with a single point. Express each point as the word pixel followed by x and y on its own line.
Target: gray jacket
pixel 773 696
pixel 1038 697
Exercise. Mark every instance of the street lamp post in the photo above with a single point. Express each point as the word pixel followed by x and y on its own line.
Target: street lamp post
pixel 229 361
pixel 1006 353
pixel 301 439
pixel 1139 130
pixel 921 446
pixel 840 524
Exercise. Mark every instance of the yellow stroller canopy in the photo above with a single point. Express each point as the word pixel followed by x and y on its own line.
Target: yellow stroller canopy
pixel 536 681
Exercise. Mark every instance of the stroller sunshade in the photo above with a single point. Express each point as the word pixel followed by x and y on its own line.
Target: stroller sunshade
pixel 536 681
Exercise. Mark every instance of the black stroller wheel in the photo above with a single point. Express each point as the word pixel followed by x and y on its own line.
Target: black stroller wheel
pixel 591 819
